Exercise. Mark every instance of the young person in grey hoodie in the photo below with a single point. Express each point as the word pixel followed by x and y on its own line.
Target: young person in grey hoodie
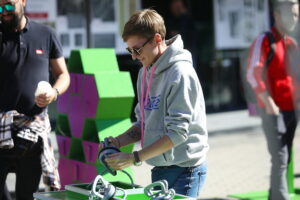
pixel 171 119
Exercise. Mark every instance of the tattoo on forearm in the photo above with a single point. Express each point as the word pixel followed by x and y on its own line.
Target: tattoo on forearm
pixel 134 134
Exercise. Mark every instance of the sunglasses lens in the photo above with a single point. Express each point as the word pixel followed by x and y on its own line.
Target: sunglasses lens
pixel 136 52
pixel 1 9
pixel 9 8
pixel 129 51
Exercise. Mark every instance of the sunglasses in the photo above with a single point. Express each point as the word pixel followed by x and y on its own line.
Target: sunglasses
pixel 8 8
pixel 137 51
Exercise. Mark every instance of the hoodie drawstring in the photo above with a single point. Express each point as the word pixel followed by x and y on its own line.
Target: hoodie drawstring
pixel 144 99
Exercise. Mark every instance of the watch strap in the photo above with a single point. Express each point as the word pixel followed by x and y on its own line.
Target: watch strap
pixel 136 158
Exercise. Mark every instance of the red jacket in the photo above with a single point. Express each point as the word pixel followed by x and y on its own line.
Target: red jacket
pixel 277 79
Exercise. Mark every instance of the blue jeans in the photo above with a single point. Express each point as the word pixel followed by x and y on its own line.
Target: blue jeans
pixel 184 180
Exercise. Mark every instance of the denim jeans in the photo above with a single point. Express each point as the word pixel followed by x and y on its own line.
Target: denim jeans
pixel 184 180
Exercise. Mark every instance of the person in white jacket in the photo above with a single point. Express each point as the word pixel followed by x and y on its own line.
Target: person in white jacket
pixel 171 118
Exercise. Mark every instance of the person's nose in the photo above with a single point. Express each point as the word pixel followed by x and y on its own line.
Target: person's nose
pixel 133 56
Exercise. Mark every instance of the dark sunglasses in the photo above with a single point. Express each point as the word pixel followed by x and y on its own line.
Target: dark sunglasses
pixel 137 51
pixel 8 8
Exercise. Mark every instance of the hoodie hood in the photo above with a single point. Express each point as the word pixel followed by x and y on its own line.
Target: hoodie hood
pixel 174 53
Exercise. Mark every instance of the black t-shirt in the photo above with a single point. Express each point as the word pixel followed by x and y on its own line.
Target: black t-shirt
pixel 24 62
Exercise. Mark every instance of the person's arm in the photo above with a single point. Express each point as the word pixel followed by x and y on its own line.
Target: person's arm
pixel 61 73
pixel 271 107
pixel 119 161
pixel 132 135
pixel 157 148
pixel 257 70
pixel 61 84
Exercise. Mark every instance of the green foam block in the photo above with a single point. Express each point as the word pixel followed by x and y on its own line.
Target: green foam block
pixel 62 125
pixel 116 95
pixel 96 130
pixel 76 150
pixel 89 61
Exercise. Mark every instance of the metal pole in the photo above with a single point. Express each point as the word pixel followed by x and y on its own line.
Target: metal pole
pixel 88 17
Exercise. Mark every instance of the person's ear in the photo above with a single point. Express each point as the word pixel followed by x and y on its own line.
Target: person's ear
pixel 24 3
pixel 157 38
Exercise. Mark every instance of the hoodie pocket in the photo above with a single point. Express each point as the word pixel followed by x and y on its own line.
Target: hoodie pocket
pixel 168 155
pixel 152 136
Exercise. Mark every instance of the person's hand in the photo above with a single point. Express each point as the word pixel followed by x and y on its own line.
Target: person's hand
pixel 272 109
pixel 45 99
pixel 113 142
pixel 270 105
pixel 119 161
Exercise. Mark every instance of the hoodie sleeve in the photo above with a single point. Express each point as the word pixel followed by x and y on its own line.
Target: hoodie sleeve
pixel 137 115
pixel 181 101
pixel 137 109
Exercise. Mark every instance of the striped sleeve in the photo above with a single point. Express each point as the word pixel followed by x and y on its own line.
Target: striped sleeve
pixel 256 63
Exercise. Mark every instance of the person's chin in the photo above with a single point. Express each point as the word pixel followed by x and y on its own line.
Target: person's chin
pixel 144 63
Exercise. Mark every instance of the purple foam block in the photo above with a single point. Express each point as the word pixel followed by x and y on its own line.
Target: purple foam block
pixel 91 150
pixel 77 81
pixel 63 102
pixel 90 172
pixel 64 172
pixel 76 116
pixel 63 143
pixel 77 171
pixel 90 96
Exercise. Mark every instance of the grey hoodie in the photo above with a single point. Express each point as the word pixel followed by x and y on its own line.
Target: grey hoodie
pixel 175 108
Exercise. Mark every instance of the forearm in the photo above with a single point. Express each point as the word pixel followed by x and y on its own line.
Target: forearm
pixel 157 148
pixel 61 74
pixel 266 99
pixel 62 83
pixel 130 136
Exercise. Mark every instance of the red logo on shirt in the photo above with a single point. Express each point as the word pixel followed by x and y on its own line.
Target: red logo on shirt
pixel 39 52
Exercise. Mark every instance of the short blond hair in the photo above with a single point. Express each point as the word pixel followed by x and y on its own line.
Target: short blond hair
pixel 145 23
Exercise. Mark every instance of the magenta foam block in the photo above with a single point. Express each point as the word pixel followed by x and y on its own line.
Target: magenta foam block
pixel 63 143
pixel 66 178
pixel 76 116
pixel 90 173
pixel 91 150
pixel 90 96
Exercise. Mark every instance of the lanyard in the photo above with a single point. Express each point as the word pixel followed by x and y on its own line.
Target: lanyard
pixel 144 99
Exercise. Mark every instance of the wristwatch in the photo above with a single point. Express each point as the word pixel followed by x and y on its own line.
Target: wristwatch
pixel 137 161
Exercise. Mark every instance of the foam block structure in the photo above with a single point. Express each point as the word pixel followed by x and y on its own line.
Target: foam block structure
pixel 97 105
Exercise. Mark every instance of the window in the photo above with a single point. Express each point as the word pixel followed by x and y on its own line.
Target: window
pixel 103 9
pixel 104 40
pixel 78 39
pixel 65 39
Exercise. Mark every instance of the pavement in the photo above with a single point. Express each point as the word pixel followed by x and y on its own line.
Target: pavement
pixel 238 160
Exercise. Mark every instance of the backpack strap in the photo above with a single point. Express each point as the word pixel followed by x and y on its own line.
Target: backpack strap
pixel 272 46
